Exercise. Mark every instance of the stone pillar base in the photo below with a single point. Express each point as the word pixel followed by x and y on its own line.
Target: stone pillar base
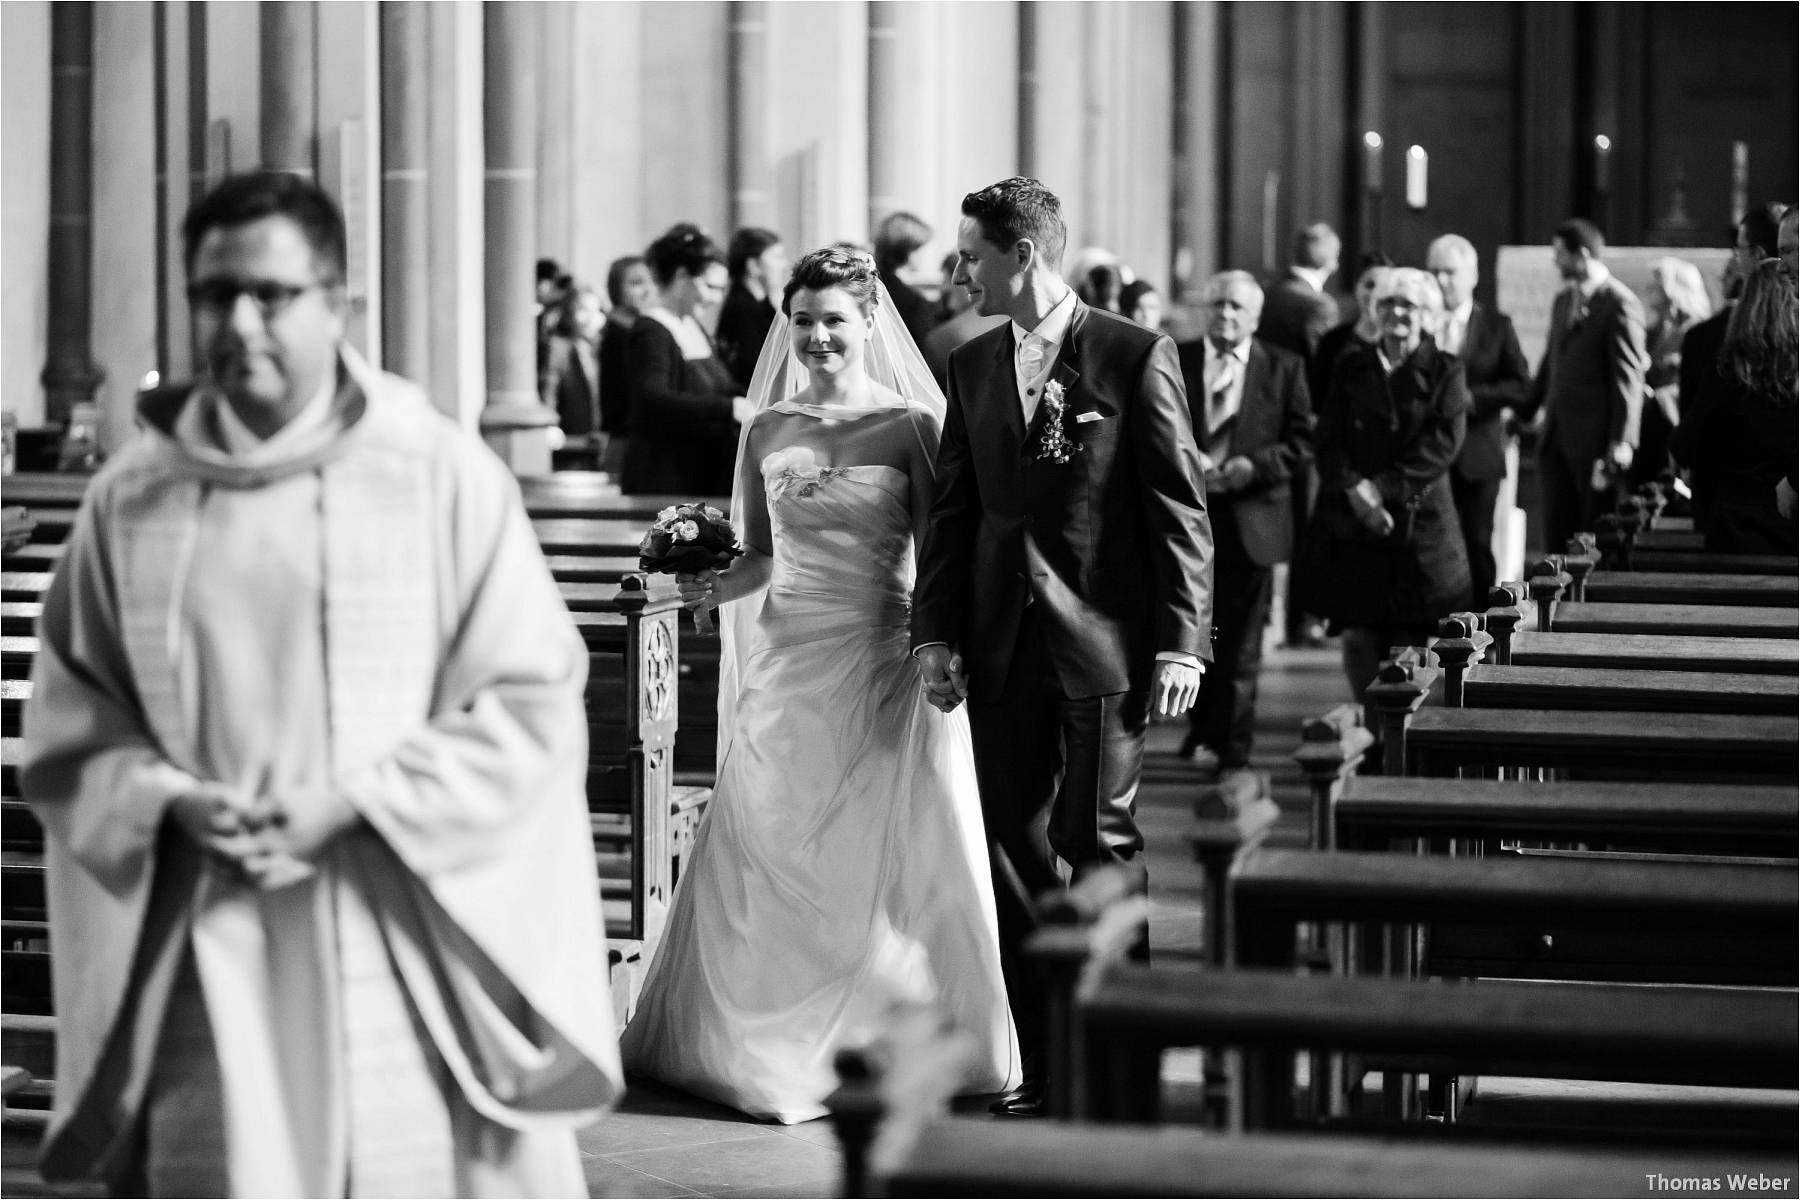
pixel 520 435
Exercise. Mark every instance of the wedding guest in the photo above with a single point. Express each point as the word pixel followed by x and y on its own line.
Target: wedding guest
pixel 758 265
pixel 1102 286
pixel 1499 382
pixel 631 289
pixel 960 321
pixel 1383 555
pixel 898 238
pixel 1297 313
pixel 1253 420
pixel 571 380
pixel 1140 301
pixel 1743 437
pixel 1678 302
pixel 1297 310
pixel 308 744
pixel 1589 386
pixel 685 405
pixel 1364 327
pixel 550 289
pixel 1789 238
pixel 1754 239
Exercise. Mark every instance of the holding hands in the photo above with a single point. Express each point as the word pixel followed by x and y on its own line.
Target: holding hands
pixel 270 840
pixel 941 674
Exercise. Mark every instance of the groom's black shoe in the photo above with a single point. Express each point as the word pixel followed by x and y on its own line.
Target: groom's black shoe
pixel 1026 1100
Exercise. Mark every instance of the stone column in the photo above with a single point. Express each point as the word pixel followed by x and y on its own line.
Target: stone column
pixel 752 198
pixel 405 201
pixel 70 375
pixel 515 422
pixel 289 113
pixel 1195 217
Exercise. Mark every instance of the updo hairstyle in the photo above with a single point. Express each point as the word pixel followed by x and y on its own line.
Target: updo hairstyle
pixel 683 248
pixel 835 267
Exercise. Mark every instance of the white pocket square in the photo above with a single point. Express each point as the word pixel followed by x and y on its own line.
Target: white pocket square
pixel 1084 418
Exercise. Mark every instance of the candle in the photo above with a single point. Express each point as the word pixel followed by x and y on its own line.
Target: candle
pixel 1372 161
pixel 1740 180
pixel 1602 163
pixel 1416 162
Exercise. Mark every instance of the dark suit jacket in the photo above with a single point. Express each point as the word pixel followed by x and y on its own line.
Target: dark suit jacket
pixel 1273 429
pixel 1295 315
pixel 1591 382
pixel 683 436
pixel 1499 378
pixel 914 309
pixel 567 388
pixel 1698 373
pixel 743 327
pixel 1112 547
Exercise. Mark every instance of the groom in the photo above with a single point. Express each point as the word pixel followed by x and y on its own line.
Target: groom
pixel 1066 573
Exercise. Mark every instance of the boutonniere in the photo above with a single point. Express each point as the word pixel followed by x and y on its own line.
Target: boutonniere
pixel 1056 445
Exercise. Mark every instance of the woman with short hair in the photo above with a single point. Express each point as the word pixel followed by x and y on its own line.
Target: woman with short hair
pixel 1383 558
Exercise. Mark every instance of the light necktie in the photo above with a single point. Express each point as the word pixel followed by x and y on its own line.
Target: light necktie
pixel 1031 357
pixel 1453 336
pixel 1222 375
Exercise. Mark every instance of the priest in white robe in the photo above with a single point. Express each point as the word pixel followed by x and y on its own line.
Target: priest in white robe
pixel 308 743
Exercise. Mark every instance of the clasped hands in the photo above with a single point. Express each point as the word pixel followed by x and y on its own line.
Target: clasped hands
pixel 1233 475
pixel 270 840
pixel 1365 502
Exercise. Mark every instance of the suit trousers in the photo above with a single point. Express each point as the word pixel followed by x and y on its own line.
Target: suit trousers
pixel 1570 505
pixel 1059 780
pixel 1475 501
pixel 1224 717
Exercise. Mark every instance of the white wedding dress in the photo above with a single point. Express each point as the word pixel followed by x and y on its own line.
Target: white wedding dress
pixel 842 863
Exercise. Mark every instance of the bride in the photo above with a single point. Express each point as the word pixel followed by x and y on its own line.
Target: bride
pixel 842 864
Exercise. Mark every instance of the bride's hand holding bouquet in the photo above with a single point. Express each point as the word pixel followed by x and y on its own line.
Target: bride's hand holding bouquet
pixel 692 542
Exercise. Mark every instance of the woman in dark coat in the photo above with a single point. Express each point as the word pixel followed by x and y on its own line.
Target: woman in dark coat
pixel 1383 558
pixel 1740 438
pixel 684 402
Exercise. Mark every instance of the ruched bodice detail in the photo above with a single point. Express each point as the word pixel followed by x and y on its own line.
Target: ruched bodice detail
pixel 843 552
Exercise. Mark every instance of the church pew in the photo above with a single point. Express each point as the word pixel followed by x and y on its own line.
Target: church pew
pixel 596 494
pixel 1699 620
pixel 18 618
pixel 1679 561
pixel 36 555
pixel 1532 917
pixel 1758 820
pixel 1464 649
pixel 1656 652
pixel 1551 599
pixel 1617 745
pixel 1607 690
pixel 1688 587
pixel 1132 1014
pixel 897 1140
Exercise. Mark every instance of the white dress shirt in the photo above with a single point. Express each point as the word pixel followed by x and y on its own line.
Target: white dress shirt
pixel 1035 351
pixel 1456 328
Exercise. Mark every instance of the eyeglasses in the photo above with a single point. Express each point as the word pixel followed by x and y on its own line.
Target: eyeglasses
pixel 269 297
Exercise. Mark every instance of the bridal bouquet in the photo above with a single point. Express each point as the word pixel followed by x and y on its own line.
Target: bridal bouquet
pixel 686 539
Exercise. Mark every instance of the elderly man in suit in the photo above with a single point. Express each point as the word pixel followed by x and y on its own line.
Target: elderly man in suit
pixel 1499 379
pixel 1590 385
pixel 1253 420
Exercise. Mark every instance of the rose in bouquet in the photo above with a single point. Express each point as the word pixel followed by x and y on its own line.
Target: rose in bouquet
pixel 686 539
